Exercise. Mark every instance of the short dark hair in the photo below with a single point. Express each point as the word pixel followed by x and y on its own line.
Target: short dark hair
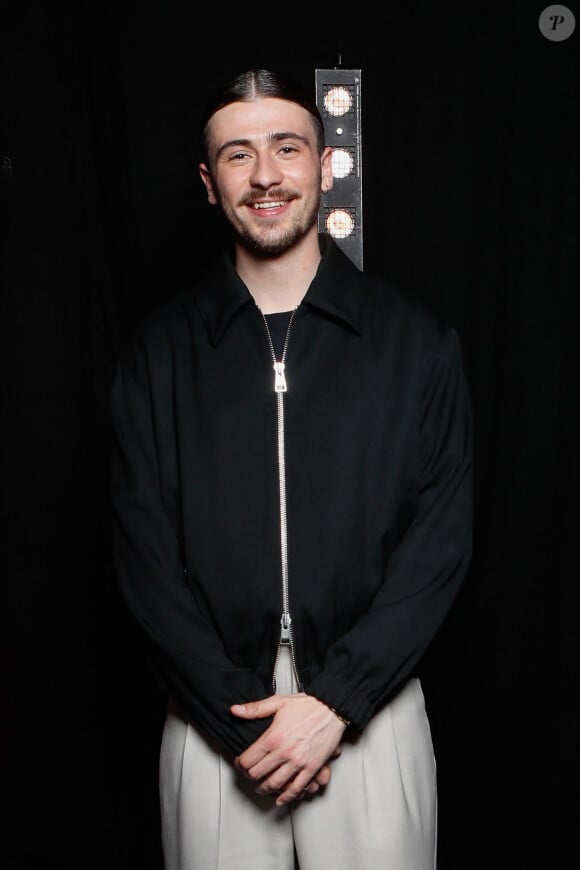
pixel 251 85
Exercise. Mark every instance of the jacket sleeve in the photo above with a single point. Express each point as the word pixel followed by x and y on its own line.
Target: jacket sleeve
pixel 365 667
pixel 186 651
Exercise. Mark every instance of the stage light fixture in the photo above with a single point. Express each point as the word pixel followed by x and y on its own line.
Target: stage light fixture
pixel 338 101
pixel 338 97
pixel 342 162
pixel 339 223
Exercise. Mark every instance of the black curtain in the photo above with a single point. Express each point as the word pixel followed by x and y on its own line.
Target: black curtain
pixel 470 191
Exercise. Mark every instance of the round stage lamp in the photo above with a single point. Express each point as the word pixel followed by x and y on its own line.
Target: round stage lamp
pixel 342 163
pixel 339 223
pixel 338 101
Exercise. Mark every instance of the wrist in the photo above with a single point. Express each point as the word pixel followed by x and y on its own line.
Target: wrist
pixel 339 716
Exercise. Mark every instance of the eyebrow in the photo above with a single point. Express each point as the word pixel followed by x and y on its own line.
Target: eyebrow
pixel 270 137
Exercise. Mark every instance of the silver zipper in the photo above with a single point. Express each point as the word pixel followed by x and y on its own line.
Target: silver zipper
pixel 281 387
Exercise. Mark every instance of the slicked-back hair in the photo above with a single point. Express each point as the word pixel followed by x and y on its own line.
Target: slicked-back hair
pixel 253 84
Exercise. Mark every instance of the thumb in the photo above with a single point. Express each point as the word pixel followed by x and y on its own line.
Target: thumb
pixel 257 709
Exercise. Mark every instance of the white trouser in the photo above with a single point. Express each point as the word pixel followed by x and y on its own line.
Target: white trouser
pixel 379 812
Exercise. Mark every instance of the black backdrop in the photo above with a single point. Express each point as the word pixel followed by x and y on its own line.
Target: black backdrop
pixel 470 136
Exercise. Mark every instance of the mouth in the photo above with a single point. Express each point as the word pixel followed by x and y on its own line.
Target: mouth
pixel 270 207
pixel 264 206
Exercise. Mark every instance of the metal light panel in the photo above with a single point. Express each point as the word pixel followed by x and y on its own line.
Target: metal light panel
pixel 338 97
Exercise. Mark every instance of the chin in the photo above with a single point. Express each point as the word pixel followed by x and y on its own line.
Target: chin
pixel 273 244
pixel 272 248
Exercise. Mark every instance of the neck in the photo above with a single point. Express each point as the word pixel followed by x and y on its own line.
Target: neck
pixel 279 283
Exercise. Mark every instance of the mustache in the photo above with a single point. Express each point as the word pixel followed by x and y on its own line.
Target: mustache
pixel 280 193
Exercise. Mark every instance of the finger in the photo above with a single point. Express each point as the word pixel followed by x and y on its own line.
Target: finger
pixel 294 790
pixel 252 756
pixel 308 791
pixel 323 776
pixel 272 772
pixel 281 778
pixel 257 709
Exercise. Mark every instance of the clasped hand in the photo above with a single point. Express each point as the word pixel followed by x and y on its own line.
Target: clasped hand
pixel 291 757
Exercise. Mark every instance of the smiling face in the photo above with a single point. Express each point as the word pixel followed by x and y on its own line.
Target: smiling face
pixel 266 173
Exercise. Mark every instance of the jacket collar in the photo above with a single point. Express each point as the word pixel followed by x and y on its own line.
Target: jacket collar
pixel 335 289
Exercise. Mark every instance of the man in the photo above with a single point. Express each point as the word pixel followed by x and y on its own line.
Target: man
pixel 292 493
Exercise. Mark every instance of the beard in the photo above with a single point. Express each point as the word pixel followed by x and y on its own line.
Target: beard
pixel 275 237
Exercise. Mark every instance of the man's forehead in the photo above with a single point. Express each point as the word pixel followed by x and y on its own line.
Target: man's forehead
pixel 259 119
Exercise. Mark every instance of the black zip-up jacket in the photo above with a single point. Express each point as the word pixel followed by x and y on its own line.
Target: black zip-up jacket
pixel 378 492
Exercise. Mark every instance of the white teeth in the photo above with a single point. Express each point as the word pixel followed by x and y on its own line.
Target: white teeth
pixel 268 204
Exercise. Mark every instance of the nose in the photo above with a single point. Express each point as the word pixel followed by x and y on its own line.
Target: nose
pixel 265 171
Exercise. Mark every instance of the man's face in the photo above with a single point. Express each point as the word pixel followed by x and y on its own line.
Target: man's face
pixel 265 172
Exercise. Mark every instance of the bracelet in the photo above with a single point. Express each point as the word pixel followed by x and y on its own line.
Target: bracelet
pixel 332 710
pixel 339 716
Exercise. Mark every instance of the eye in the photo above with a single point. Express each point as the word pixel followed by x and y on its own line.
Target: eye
pixel 237 156
pixel 288 150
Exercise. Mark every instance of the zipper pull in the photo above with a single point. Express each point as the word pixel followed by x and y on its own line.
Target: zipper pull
pixel 280 378
pixel 285 623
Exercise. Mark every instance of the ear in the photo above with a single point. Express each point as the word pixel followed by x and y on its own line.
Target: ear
pixel 326 166
pixel 205 176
